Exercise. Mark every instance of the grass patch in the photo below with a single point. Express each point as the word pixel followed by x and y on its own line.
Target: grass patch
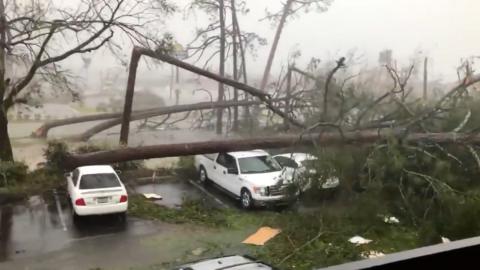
pixel 298 230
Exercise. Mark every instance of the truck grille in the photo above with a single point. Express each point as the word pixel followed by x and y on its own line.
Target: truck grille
pixel 277 190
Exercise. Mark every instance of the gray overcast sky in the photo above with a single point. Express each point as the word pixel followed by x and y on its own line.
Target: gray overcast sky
pixel 445 30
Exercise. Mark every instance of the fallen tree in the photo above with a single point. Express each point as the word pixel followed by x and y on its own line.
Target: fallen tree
pixel 42 131
pixel 327 138
pixel 164 111
pixel 137 52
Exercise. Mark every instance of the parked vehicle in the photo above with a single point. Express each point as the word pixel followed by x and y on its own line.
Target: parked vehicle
pixel 235 262
pixel 96 190
pixel 298 170
pixel 252 176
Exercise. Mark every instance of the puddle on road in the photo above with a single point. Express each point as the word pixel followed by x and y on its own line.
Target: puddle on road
pixel 172 192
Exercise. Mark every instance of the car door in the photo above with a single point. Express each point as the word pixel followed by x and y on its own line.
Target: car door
pixel 229 181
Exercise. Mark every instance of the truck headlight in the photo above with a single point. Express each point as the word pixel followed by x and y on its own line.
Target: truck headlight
pixel 260 190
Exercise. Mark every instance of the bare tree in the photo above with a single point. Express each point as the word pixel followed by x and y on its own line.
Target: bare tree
pixel 37 35
pixel 208 44
pixel 221 88
pixel 290 8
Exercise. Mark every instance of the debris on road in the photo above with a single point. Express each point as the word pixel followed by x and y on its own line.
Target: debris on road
pixel 198 251
pixel 358 240
pixel 261 236
pixel 152 196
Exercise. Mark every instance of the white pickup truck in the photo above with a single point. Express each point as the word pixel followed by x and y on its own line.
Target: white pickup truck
pixel 252 176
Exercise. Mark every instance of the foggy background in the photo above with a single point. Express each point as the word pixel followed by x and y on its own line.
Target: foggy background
pixel 443 30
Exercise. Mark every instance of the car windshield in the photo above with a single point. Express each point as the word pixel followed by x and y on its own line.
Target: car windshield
pixel 99 180
pixel 259 164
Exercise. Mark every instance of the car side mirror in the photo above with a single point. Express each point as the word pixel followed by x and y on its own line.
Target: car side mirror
pixel 232 171
pixel 67 175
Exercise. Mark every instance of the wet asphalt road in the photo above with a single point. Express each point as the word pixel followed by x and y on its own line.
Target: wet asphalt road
pixel 42 233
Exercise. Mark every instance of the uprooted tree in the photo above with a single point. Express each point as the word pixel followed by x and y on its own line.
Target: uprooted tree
pixel 36 37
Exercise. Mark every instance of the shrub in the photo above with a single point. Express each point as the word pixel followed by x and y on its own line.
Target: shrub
pixel 12 173
pixel 55 154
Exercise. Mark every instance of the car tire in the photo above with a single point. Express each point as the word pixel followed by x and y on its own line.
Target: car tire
pixel 246 200
pixel 122 216
pixel 202 175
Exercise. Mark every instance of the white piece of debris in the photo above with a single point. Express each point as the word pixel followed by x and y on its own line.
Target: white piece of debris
pixel 391 220
pixel 445 240
pixel 152 196
pixel 372 254
pixel 358 240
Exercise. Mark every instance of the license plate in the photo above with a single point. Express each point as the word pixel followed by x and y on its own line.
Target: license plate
pixel 102 199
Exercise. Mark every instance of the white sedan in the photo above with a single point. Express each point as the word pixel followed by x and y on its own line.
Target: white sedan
pixel 96 190
pixel 295 168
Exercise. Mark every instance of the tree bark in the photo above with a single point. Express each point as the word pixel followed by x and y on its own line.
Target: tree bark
pixel 425 78
pixel 235 68
pixel 243 74
pixel 221 87
pixel 6 153
pixel 276 39
pixel 326 138
pixel 127 108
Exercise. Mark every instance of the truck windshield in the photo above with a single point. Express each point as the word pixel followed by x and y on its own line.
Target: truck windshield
pixel 100 180
pixel 259 164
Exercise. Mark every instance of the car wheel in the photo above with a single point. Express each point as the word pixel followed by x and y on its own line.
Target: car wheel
pixel 122 216
pixel 202 175
pixel 246 199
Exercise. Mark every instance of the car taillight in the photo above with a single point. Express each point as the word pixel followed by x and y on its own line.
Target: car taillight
pixel 80 202
pixel 123 198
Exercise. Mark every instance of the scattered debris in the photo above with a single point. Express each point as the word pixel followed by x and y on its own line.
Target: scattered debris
pixel 152 196
pixel 445 240
pixel 391 220
pixel 198 251
pixel 358 240
pixel 372 254
pixel 261 236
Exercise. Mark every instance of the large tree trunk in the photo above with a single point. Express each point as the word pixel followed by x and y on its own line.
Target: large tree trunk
pixel 6 153
pixel 127 108
pixel 243 74
pixel 235 69
pixel 221 87
pixel 425 78
pixel 326 138
pixel 276 39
